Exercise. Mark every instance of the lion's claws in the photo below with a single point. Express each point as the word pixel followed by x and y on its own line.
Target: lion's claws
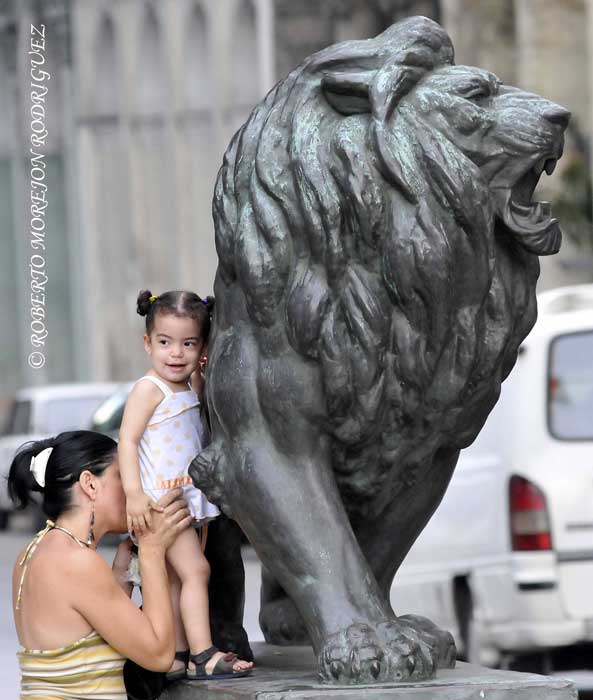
pixel 391 651
pixel 336 669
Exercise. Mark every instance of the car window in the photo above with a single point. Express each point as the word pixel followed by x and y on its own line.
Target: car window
pixel 570 393
pixel 19 418
pixel 70 413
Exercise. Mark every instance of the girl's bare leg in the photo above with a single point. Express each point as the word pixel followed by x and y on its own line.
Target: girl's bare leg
pixel 187 559
pixel 203 537
pixel 181 642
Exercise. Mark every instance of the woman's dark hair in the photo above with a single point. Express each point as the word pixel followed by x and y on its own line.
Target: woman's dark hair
pixel 176 303
pixel 73 452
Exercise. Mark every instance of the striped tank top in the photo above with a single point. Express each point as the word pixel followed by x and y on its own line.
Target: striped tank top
pixel 87 668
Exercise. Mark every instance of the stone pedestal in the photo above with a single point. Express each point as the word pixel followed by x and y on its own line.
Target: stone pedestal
pixel 288 673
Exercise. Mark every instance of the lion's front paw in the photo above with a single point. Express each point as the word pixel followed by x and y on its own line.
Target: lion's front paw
pixel 391 651
pixel 435 637
pixel 207 472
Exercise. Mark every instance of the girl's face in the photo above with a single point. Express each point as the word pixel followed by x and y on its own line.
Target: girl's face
pixel 174 345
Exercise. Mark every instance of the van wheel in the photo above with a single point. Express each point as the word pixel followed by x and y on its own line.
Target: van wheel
pixel 468 625
pixel 534 662
pixel 4 519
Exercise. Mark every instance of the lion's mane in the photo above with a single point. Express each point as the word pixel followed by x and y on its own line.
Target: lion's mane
pixel 370 241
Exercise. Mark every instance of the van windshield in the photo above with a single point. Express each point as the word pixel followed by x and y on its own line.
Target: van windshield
pixel 570 387
pixel 70 413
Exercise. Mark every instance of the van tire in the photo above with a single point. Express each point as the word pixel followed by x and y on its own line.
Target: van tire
pixel 4 519
pixel 467 624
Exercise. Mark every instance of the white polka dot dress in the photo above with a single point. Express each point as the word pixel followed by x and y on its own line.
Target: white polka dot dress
pixel 173 437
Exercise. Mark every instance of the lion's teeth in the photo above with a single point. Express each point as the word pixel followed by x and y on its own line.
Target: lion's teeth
pixel 522 209
pixel 545 208
pixel 550 165
pixel 539 167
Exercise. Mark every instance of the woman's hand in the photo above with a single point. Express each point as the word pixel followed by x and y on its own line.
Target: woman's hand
pixel 173 518
pixel 138 511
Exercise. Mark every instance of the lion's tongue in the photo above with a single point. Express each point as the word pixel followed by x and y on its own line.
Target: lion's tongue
pixel 530 223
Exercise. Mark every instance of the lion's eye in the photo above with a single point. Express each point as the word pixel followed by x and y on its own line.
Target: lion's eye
pixel 476 92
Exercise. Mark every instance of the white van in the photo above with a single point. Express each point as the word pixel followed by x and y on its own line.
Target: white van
pixel 40 411
pixel 506 562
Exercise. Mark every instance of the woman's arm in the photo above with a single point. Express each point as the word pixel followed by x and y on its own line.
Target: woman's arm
pixel 142 401
pixel 146 636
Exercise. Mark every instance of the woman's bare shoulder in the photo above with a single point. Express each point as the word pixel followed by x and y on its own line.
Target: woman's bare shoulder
pixel 58 557
pixel 85 562
pixel 87 577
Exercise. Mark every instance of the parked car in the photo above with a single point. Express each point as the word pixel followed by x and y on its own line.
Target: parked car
pixel 108 416
pixel 37 412
pixel 506 562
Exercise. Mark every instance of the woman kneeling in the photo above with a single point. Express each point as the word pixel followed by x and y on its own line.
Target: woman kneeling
pixel 73 614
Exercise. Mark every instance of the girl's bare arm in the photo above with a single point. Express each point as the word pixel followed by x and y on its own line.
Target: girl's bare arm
pixel 142 401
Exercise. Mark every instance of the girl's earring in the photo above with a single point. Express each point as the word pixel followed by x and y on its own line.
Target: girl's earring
pixel 91 538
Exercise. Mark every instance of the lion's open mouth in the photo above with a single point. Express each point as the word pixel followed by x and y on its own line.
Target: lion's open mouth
pixel 530 222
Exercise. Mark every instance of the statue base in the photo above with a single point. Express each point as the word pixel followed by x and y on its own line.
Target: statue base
pixel 288 673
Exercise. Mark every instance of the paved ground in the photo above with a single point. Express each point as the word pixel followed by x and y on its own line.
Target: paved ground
pixel 12 542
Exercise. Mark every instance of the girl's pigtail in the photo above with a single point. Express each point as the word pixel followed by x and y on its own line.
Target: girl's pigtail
pixel 209 302
pixel 143 302
pixel 207 322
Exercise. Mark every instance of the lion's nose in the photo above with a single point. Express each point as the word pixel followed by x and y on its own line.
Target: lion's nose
pixel 557 115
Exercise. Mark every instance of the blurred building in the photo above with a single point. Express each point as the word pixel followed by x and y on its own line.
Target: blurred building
pixel 543 46
pixel 143 99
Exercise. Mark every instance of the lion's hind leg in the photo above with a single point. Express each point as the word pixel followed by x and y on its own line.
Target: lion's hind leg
pixel 279 619
pixel 407 516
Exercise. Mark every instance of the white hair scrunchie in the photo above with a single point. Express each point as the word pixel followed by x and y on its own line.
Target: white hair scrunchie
pixel 39 465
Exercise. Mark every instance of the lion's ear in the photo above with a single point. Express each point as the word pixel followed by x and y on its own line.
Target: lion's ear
pixel 393 82
pixel 368 91
pixel 347 93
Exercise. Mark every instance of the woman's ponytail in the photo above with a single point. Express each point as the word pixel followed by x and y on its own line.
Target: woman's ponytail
pixel 72 453
pixel 21 480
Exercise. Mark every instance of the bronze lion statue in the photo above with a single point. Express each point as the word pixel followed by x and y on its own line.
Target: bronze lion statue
pixel 378 254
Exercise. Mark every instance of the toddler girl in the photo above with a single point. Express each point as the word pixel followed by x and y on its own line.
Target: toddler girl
pixel 161 433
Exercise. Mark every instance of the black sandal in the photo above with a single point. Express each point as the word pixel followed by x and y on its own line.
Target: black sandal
pixel 180 674
pixel 222 669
